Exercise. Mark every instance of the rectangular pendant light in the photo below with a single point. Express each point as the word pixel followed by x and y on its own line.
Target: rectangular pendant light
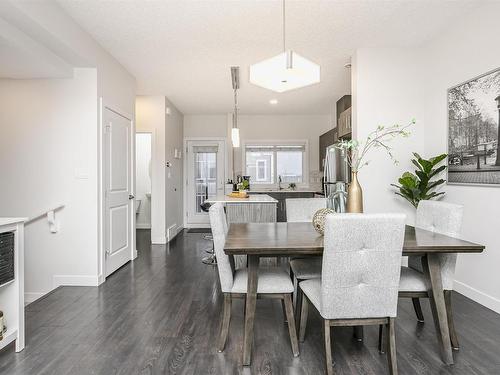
pixel 235 137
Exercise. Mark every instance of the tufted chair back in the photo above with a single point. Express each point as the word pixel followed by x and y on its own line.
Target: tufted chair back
pixel 302 210
pixel 219 227
pixel 444 218
pixel 361 265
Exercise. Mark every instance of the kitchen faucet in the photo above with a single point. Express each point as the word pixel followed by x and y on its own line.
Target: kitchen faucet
pixel 279 183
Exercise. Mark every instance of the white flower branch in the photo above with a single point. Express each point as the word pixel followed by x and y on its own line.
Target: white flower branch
pixel 355 154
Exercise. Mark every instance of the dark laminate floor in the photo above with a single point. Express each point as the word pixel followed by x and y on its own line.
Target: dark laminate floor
pixel 160 315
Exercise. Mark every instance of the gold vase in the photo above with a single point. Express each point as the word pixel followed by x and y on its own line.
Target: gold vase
pixel 354 195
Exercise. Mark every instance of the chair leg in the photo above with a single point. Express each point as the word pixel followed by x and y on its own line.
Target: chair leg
pixel 224 327
pixel 328 348
pixel 418 309
pixel 358 333
pixel 391 347
pixel 381 337
pixel 299 297
pixel 303 319
pixel 284 310
pixel 291 324
pixel 449 314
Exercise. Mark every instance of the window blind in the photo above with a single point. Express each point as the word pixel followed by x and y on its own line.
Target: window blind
pixel 272 148
pixel 205 149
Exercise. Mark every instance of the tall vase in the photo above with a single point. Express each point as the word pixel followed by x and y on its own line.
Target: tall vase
pixel 354 195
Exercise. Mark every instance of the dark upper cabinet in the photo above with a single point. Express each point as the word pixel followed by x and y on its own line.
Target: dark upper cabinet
pixel 343 128
pixel 325 140
pixel 344 123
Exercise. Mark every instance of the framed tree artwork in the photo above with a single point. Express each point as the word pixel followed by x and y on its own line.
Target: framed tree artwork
pixel 473 131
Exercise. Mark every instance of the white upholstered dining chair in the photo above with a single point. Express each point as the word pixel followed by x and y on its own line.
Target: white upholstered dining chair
pixel 302 210
pixel 444 218
pixel 273 282
pixel 360 276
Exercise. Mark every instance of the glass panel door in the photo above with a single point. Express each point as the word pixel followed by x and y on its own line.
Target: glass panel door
pixel 205 177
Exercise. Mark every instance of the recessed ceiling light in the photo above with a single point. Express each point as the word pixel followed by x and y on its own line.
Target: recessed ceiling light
pixel 273 101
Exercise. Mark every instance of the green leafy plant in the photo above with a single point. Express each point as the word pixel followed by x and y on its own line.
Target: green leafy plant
pixel 292 186
pixel 418 186
pixel 243 185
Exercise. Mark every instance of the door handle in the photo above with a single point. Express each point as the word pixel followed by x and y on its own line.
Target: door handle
pixel 130 196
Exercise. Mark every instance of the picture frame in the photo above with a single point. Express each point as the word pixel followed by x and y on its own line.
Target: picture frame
pixel 473 131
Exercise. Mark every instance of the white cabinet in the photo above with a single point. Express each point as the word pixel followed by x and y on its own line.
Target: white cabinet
pixel 12 292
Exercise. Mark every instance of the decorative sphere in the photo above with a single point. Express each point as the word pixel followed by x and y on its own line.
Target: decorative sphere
pixel 319 219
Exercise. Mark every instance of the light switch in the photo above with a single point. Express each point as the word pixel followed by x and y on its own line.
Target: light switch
pixel 81 174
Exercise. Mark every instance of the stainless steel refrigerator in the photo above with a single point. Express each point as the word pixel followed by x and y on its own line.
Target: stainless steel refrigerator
pixel 335 170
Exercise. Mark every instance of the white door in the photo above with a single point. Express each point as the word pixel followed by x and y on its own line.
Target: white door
pixel 205 176
pixel 118 191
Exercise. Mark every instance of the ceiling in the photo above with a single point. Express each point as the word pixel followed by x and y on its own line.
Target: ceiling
pixel 184 49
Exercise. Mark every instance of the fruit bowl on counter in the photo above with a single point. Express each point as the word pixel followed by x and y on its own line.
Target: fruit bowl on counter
pixel 238 194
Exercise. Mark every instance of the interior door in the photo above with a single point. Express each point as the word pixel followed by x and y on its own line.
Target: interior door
pixel 205 177
pixel 118 190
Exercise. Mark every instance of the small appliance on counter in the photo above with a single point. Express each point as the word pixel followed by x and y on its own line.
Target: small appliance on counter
pixel 244 181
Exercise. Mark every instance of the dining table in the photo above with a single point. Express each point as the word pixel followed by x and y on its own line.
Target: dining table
pixel 261 240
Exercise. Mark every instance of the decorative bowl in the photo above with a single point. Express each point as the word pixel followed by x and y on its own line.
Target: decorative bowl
pixel 319 219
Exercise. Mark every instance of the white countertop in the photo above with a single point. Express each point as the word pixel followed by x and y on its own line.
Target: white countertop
pixel 11 220
pixel 258 198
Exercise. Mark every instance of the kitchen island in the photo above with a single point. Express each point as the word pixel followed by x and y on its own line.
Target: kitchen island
pixel 282 195
pixel 257 208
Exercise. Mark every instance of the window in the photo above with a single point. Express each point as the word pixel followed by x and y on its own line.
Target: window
pixel 266 163
pixel 262 170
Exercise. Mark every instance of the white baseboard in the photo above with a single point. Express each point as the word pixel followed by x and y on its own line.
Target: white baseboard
pixel 478 296
pixel 32 297
pixel 187 226
pixel 75 280
pixel 159 240
pixel 142 226
pixel 101 279
pixel 173 231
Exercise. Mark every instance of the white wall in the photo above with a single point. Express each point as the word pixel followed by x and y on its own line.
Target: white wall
pixel 56 125
pixel 174 189
pixel 263 127
pixel 48 156
pixel 167 189
pixel 468 49
pixel 143 168
pixel 205 125
pixel 47 23
pixel 387 89
pixel 393 85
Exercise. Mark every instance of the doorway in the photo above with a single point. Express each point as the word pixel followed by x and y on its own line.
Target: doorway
pixel 143 180
pixel 205 177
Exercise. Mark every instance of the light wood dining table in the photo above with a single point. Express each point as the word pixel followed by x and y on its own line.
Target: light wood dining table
pixel 258 240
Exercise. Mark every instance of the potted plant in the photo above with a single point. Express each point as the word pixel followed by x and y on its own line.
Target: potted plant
pixel 418 186
pixel 356 154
